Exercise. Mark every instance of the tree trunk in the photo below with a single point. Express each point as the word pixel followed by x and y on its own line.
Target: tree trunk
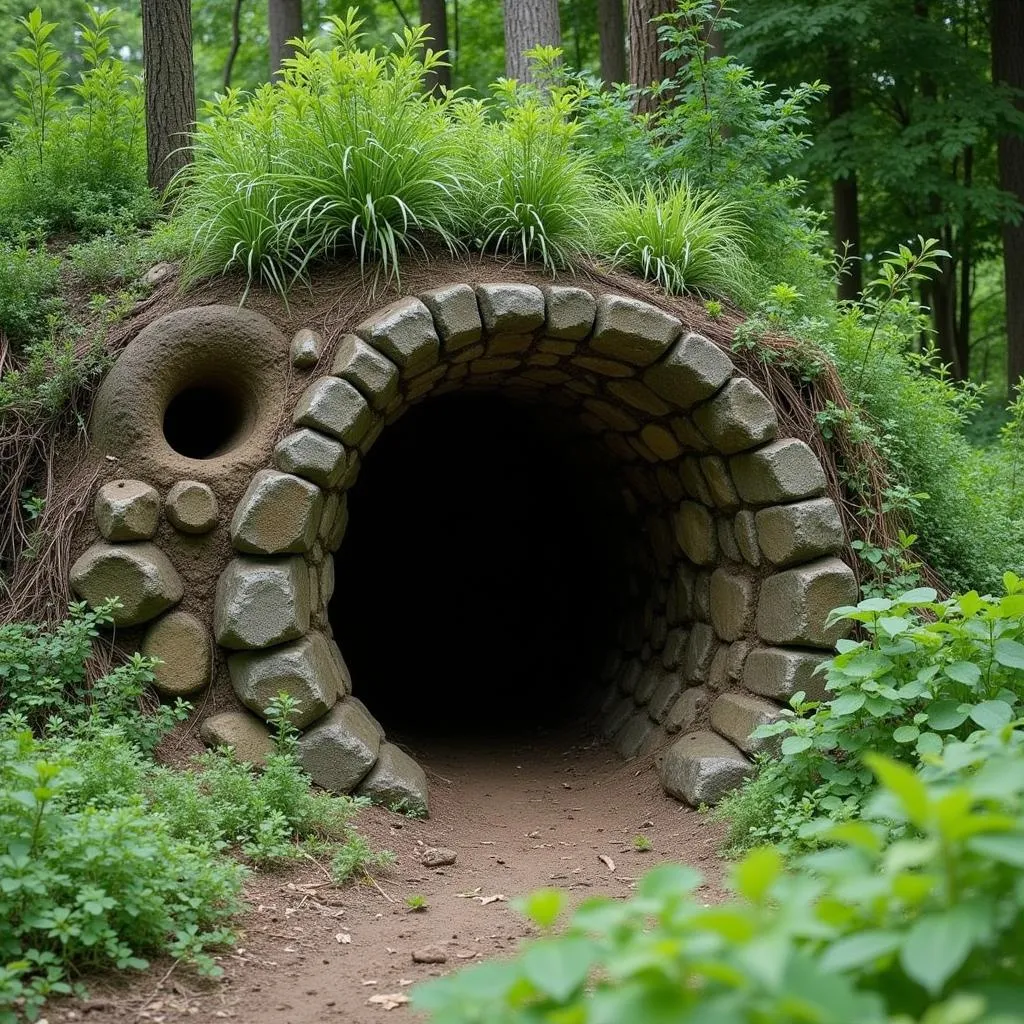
pixel 435 14
pixel 284 19
pixel 1008 69
pixel 611 31
pixel 845 197
pixel 236 42
pixel 528 23
pixel 170 87
pixel 646 64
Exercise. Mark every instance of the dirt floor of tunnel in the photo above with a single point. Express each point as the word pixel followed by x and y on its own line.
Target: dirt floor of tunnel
pixel 520 816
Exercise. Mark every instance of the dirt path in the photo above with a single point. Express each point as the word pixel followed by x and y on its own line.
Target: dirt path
pixel 520 816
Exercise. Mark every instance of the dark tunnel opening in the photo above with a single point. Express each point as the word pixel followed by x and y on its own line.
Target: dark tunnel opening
pixel 484 572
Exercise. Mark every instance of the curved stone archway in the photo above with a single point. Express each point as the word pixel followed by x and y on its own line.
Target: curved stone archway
pixel 733 562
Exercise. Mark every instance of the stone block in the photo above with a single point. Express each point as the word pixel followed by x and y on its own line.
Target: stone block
pixel 613 416
pixel 688 435
pixel 638 395
pixel 727 540
pixel 404 332
pixel 396 781
pixel 261 602
pixel 139 574
pixel 695 532
pixel 605 367
pixel 700 652
pixel 782 471
pixel 635 332
pixel 278 514
pixel 341 749
pixel 736 715
pixel 737 418
pixel 326 590
pixel 182 643
pixel 744 528
pixel 733 601
pixel 456 315
pixel 304 669
pixel 788 534
pixel 634 734
pixel 313 456
pixel 245 734
pixel 191 507
pixel 693 371
pixel 127 510
pixel 688 709
pixel 669 686
pixel 370 372
pixel 570 312
pixel 356 702
pixel 781 672
pixel 332 406
pixel 702 596
pixel 647 684
pixel 719 483
pixel 693 480
pixel 675 648
pixel 794 604
pixel 510 308
pixel 685 581
pixel 661 441
pixel 702 768
pixel 306 348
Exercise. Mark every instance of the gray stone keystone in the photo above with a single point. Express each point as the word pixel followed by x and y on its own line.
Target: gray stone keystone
pixel 306 349
pixel 782 471
pixel 313 456
pixel 570 312
pixel 182 644
pixel 191 507
pixel 798 533
pixel 733 600
pixel 688 709
pixel 702 768
pixel 396 781
pixel 736 715
pixel 404 332
pixel 127 510
pixel 278 515
pixel 304 669
pixel 372 374
pixel 794 604
pixel 695 532
pixel 261 602
pixel 339 751
pixel 633 331
pixel 510 308
pixel 780 672
pixel 456 315
pixel 737 418
pixel 692 371
pixel 335 407
pixel 139 574
pixel 245 734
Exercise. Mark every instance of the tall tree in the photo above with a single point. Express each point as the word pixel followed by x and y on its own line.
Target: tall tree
pixel 646 62
pixel 435 14
pixel 170 87
pixel 611 31
pixel 528 23
pixel 1008 69
pixel 284 19
pixel 845 195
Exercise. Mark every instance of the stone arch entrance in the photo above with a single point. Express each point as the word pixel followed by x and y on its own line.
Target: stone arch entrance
pixel 721 544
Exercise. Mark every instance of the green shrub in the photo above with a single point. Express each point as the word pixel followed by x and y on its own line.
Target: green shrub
pixel 76 158
pixel 913 914
pixel 28 286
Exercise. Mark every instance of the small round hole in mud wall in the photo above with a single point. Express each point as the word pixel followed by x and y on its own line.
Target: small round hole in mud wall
pixel 206 420
pixel 484 571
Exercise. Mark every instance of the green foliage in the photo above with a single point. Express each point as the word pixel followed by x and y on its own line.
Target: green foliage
pixel 76 156
pixel 28 283
pixel 416 904
pixel 912 914
pixel 358 858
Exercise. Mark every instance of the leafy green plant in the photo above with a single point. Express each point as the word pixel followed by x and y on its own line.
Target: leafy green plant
pixel 28 286
pixel 642 844
pixel 925 927
pixel 416 903
pixel 358 858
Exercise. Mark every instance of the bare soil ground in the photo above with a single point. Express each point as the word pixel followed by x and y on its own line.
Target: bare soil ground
pixel 521 815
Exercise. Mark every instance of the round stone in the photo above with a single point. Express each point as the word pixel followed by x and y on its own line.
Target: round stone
pixel 182 644
pixel 192 507
pixel 306 349
pixel 127 510
pixel 245 734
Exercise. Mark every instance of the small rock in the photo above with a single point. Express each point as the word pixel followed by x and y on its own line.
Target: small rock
pixel 307 346
pixel 192 507
pixel 127 510
pixel 158 273
pixel 438 857
pixel 429 955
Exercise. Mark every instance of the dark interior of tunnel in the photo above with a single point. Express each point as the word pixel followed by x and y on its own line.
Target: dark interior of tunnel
pixel 484 571
pixel 206 419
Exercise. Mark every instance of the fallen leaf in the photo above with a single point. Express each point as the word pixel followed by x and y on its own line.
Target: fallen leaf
pixel 496 898
pixel 343 937
pixel 389 1001
pixel 470 895
pixel 606 861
